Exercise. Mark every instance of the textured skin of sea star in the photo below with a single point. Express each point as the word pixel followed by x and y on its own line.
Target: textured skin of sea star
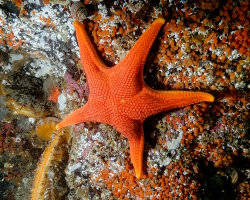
pixel 118 96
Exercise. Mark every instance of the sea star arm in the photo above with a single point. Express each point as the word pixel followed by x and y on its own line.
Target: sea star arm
pixel 91 111
pixel 133 130
pixel 149 102
pixel 136 151
pixel 89 56
pixel 131 67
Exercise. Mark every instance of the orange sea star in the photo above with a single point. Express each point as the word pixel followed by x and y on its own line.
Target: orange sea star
pixel 119 96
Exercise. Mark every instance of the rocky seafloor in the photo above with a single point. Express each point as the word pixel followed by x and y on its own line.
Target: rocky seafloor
pixel 197 152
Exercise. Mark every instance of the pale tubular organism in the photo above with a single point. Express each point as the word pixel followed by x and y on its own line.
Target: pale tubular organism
pixel 50 154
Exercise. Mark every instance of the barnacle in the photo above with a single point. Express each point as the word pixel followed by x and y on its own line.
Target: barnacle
pixel 78 11
pixel 45 127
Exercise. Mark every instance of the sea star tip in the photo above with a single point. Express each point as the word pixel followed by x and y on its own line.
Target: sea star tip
pixel 160 20
pixel 58 127
pixel 138 173
pixel 208 97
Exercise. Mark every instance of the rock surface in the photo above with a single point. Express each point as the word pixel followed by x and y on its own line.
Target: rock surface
pixel 200 151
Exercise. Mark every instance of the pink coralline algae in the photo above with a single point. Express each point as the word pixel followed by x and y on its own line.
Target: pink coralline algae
pixel 73 85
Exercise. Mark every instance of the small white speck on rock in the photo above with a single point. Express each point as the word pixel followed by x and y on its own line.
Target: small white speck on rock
pixel 74 167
